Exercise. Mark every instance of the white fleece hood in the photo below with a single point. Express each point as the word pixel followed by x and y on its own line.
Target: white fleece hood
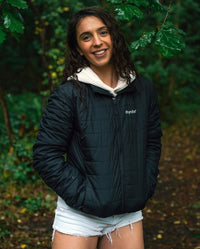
pixel 88 76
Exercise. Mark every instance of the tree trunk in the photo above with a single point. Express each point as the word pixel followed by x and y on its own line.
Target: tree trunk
pixel 6 117
pixel 172 74
pixel 42 34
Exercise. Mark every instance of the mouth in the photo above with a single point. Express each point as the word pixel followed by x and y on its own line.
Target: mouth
pixel 100 52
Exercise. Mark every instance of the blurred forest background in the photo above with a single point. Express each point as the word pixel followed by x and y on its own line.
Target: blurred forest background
pixel 164 41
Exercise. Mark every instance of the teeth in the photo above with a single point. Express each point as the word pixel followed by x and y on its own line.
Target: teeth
pixel 100 52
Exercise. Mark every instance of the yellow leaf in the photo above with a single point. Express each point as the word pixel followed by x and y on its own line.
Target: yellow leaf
pixel 23 246
pixel 177 222
pixel 23 210
pixel 6 173
pixel 65 9
pixel 11 149
pixel 148 210
pixel 53 74
pixel 159 236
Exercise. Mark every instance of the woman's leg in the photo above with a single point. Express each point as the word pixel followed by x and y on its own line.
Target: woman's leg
pixel 65 241
pixel 125 238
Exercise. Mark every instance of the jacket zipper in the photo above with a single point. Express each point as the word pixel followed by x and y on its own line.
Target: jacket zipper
pixel 116 112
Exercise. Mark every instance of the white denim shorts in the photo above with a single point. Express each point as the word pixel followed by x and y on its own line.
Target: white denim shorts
pixel 73 222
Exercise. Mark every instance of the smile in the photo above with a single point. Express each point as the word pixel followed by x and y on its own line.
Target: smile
pixel 100 52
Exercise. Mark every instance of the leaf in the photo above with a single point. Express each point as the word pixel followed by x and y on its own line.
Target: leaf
pixel 2 36
pixel 18 3
pixel 114 1
pixel 169 25
pixel 11 23
pixel 156 5
pixel 139 3
pixel 169 42
pixel 127 12
pixel 143 41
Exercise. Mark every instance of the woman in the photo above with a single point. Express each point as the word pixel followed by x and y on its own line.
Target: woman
pixel 106 119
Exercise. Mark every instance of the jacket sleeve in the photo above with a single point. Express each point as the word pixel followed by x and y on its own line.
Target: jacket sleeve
pixel 56 129
pixel 154 134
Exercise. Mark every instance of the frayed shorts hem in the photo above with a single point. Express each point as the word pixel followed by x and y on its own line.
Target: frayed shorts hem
pixel 72 222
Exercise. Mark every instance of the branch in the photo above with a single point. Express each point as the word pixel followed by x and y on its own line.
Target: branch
pixel 42 39
pixel 167 14
pixel 6 117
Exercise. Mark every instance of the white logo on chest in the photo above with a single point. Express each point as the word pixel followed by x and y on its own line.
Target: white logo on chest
pixel 129 112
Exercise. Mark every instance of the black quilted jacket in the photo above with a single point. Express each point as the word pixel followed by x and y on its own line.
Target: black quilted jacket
pixel 112 146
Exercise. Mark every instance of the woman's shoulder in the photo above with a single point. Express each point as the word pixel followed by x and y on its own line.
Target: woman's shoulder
pixel 143 80
pixel 143 83
pixel 67 89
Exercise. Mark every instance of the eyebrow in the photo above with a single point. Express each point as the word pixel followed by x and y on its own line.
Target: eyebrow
pixel 88 32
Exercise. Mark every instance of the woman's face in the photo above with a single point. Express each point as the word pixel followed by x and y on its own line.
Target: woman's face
pixel 94 42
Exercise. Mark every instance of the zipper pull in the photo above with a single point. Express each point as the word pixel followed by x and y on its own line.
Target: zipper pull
pixel 114 99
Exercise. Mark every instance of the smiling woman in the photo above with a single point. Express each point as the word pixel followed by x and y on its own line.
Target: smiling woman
pixel 94 43
pixel 105 118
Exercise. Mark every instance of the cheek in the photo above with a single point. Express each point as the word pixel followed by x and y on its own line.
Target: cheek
pixel 83 48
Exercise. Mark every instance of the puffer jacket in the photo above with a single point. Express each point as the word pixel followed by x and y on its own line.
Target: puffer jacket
pixel 100 153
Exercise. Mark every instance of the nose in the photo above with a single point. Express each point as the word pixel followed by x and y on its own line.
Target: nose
pixel 97 40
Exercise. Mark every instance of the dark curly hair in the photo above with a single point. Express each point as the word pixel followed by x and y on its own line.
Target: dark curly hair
pixel 121 58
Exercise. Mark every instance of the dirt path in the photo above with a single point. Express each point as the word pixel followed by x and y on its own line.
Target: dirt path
pixel 172 217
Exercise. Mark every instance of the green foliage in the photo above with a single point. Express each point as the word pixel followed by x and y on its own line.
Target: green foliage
pixel 127 12
pixel 2 35
pixel 156 35
pixel 168 37
pixel 3 232
pixel 143 41
pixel 18 3
pixel 11 18
pixel 169 40
pixel 16 161
pixel 32 204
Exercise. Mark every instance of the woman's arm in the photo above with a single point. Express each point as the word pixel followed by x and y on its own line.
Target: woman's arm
pixel 154 134
pixel 53 139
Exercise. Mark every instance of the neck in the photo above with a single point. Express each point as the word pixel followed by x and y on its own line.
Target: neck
pixel 107 75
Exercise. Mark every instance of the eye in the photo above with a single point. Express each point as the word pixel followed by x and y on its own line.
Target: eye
pixel 86 37
pixel 104 32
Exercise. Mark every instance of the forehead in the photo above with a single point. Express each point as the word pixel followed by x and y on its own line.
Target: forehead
pixel 89 24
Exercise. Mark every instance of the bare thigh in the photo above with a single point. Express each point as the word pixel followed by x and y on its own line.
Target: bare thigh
pixel 65 241
pixel 126 238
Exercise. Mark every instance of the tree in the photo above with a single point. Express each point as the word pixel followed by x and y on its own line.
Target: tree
pixel 12 23
pixel 152 28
